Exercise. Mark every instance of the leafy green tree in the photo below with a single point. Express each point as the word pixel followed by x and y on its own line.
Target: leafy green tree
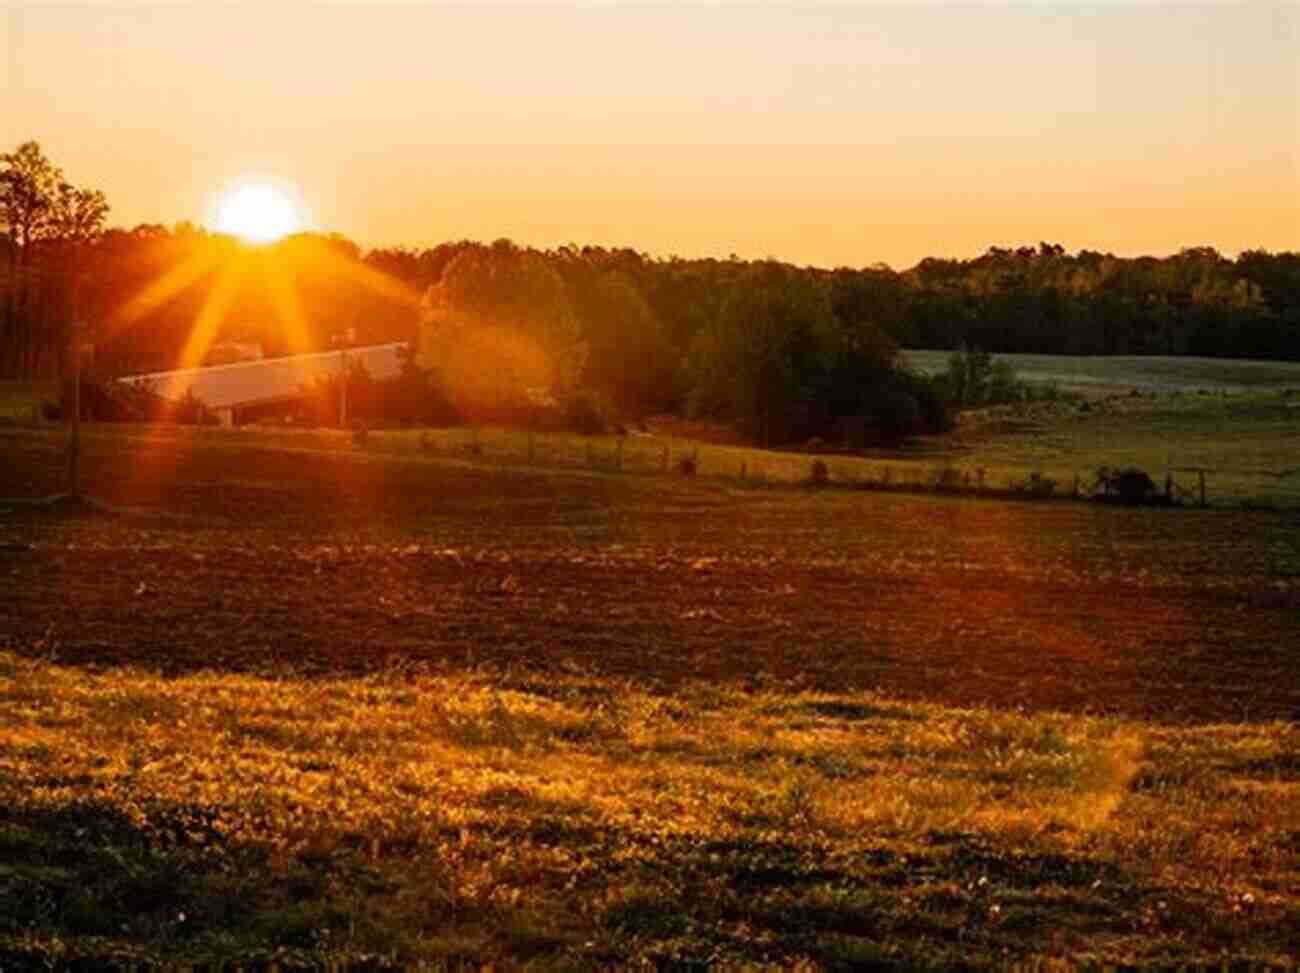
pixel 38 204
pixel 630 360
pixel 40 209
pixel 498 331
pixel 761 362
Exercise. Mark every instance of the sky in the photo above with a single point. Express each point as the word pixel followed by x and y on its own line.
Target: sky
pixel 833 135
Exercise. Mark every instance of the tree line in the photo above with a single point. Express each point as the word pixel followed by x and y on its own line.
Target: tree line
pixel 498 330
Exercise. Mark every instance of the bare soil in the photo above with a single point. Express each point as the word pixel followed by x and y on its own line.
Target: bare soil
pixel 267 559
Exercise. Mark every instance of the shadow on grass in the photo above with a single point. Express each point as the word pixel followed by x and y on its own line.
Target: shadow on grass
pixel 97 884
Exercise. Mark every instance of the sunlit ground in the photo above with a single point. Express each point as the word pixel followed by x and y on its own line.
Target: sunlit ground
pixel 351 704
pixel 582 822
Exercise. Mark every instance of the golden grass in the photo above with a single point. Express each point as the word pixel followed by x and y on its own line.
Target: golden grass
pixel 583 822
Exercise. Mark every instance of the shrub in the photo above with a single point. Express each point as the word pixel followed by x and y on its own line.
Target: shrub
pixel 819 475
pixel 1130 486
pixel 686 465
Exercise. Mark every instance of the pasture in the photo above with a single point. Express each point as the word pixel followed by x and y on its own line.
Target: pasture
pixel 1098 376
pixel 290 699
pixel 1238 420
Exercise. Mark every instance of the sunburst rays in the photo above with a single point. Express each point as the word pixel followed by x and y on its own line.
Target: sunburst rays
pixel 214 312
pixel 184 275
pixel 273 270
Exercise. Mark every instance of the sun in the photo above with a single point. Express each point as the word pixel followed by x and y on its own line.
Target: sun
pixel 258 211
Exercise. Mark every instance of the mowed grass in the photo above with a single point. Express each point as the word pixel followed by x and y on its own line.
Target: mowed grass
pixel 1106 375
pixel 582 822
pixel 1237 420
pixel 344 706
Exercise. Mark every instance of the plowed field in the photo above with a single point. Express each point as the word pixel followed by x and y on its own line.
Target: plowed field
pixel 240 557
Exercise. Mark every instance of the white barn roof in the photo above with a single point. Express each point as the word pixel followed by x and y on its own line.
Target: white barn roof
pixel 269 379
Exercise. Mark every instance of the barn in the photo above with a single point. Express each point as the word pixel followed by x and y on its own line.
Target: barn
pixel 229 390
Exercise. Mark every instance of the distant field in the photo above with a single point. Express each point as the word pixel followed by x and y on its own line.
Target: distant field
pixel 1238 420
pixel 1101 376
pixel 333 705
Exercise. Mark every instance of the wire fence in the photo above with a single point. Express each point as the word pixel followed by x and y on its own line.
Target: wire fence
pixel 752 468
pixel 756 468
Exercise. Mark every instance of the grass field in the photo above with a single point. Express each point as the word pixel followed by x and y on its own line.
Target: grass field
pixel 321 704
pixel 1103 376
pixel 1238 420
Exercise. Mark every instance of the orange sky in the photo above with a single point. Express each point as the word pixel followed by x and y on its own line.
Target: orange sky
pixel 817 134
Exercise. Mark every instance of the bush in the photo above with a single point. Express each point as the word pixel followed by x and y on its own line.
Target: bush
pixel 686 465
pixel 897 413
pixel 1129 486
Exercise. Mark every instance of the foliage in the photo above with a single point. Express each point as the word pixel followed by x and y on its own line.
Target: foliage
pixel 498 326
pixel 1131 485
pixel 38 205
pixel 779 362
pixel 974 378
pixel 47 224
pixel 784 353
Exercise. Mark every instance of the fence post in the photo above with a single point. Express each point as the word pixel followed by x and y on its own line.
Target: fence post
pixel 589 456
pixel 620 454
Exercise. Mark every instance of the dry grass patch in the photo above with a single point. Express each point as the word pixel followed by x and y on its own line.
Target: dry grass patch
pixel 448 816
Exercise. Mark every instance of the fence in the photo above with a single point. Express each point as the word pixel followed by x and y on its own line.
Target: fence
pixel 751 467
